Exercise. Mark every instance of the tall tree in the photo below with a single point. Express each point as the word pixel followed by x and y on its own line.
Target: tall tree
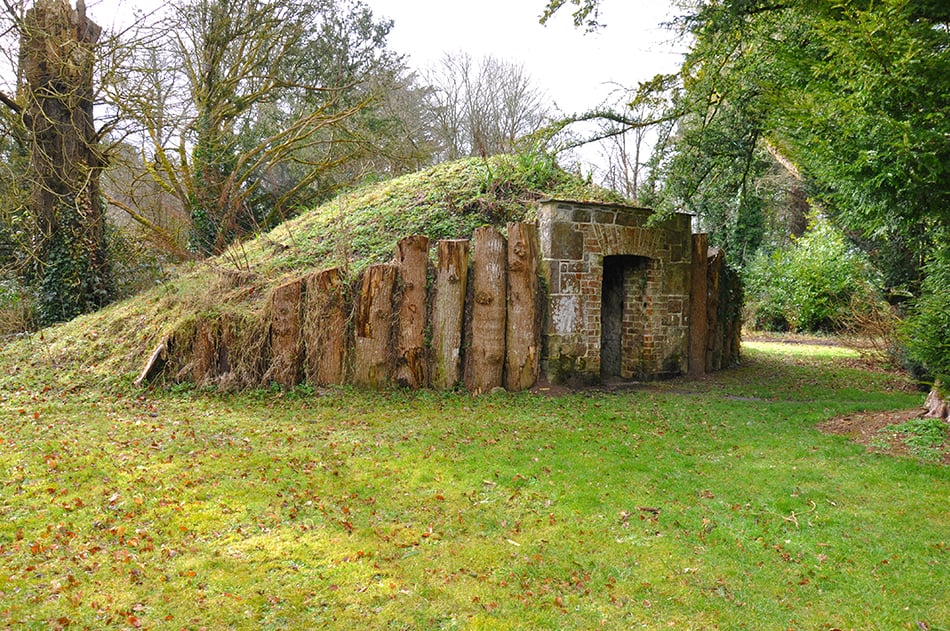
pixel 52 117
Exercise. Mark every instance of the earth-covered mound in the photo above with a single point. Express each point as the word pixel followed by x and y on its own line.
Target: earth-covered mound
pixel 352 231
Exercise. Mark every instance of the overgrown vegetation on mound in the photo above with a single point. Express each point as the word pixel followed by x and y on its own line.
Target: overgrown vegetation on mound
pixel 443 202
pixel 352 231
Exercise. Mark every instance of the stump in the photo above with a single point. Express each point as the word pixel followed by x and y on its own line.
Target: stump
pixel 325 335
pixel 523 325
pixel 448 309
pixel 413 261
pixel 373 323
pixel 485 362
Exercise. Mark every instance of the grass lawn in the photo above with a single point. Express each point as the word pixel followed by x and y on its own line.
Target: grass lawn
pixel 712 504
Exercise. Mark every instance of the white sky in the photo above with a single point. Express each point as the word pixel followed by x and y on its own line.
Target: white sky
pixel 574 68
pixel 577 70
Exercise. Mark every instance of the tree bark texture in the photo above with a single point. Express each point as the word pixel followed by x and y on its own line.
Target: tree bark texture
pixel 373 324
pixel 486 358
pixel 412 256
pixel 714 337
pixel 325 335
pixel 698 323
pixel 203 367
pixel 448 310
pixel 523 324
pixel 286 334
pixel 57 60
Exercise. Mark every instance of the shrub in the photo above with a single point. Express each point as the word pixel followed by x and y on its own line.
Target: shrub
pixel 810 285
pixel 928 328
pixel 17 309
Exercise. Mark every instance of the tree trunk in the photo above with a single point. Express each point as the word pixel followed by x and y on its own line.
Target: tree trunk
pixel 286 334
pixel 523 328
pixel 374 324
pixel 413 261
pixel 57 59
pixel 325 338
pixel 936 405
pixel 448 312
pixel 699 266
pixel 486 359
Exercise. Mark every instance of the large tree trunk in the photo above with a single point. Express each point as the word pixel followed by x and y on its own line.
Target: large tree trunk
pixel 413 260
pixel 448 312
pixel 57 59
pixel 523 328
pixel 486 359
pixel 374 324
pixel 286 334
pixel 325 338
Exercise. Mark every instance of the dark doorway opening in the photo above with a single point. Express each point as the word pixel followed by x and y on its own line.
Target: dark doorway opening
pixel 622 312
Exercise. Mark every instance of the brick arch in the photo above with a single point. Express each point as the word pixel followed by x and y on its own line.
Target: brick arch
pixel 575 241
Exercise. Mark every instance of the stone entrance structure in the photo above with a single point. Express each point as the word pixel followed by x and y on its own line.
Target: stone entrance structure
pixel 618 292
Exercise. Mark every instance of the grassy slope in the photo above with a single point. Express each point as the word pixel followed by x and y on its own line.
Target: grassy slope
pixel 357 510
pixel 447 201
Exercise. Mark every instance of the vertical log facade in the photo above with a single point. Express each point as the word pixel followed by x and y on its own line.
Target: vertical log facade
pixel 412 258
pixel 373 323
pixel 489 322
pixel 523 324
pixel 486 358
pixel 448 311
pixel 286 334
pixel 325 334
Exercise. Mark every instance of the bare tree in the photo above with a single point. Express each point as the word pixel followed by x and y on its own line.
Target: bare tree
pixel 482 108
pixel 245 105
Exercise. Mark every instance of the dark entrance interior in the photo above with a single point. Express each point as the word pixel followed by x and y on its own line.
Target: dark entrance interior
pixel 623 295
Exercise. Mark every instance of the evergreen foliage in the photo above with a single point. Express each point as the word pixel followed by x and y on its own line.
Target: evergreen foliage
pixel 811 285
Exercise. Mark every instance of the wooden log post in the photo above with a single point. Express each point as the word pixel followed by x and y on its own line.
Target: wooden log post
pixel 286 334
pixel 325 335
pixel 713 329
pixel 373 323
pixel 523 325
pixel 698 323
pixel 204 352
pixel 412 257
pixel 485 363
pixel 448 310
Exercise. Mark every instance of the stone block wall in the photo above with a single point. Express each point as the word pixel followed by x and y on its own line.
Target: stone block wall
pixel 654 271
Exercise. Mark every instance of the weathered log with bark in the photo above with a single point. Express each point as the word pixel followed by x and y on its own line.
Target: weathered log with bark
pixel 485 362
pixel 203 367
pixel 715 342
pixel 412 258
pixel 451 279
pixel 373 323
pixel 286 334
pixel 698 322
pixel 523 325
pixel 325 334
